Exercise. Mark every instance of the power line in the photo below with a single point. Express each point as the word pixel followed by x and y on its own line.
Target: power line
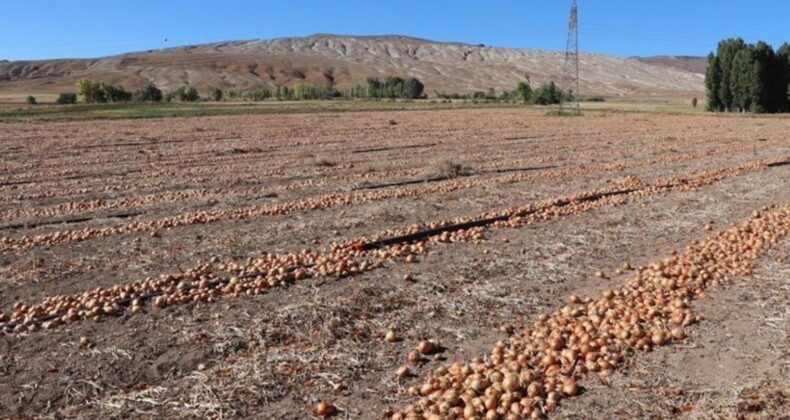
pixel 569 88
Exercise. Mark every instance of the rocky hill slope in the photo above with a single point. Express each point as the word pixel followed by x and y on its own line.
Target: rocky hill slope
pixel 348 60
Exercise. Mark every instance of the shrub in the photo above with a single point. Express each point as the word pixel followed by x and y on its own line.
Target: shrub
pixel 694 102
pixel 150 93
pixel 449 169
pixel 31 100
pixel 547 94
pixel 215 94
pixel 91 92
pixel 116 93
pixel 187 94
pixel 67 98
pixel 524 91
pixel 595 98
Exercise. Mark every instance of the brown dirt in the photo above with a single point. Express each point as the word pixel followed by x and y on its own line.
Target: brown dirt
pixel 277 354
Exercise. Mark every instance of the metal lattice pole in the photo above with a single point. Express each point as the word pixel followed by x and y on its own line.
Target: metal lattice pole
pixel 569 97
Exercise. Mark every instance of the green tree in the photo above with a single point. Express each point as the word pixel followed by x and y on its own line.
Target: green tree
pixel 374 87
pixel 742 79
pixel 694 102
pixel 393 87
pixel 726 52
pixel 713 83
pixel 149 93
pixel 187 94
pixel 766 86
pixel 31 100
pixel 116 93
pixel 413 88
pixel 91 92
pixel 782 77
pixel 748 77
pixel 215 94
pixel 67 98
pixel 524 91
pixel 547 94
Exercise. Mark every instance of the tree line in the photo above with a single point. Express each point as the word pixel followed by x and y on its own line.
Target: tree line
pixel 389 88
pixel 93 92
pixel 90 91
pixel 545 94
pixel 748 77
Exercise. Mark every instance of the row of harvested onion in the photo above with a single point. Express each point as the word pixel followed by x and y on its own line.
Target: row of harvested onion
pixel 257 275
pixel 315 203
pixel 530 373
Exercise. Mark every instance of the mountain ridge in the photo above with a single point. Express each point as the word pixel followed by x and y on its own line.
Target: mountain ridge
pixel 347 60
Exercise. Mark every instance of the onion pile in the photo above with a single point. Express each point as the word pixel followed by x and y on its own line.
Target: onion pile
pixel 529 374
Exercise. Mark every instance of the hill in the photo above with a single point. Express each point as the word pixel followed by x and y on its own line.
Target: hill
pixel 348 60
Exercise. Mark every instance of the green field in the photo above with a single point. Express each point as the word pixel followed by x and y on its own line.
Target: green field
pixel 47 112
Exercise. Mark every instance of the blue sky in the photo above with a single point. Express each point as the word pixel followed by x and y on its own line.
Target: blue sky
pixel 36 29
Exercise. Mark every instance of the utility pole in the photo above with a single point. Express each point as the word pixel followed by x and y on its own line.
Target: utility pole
pixel 569 95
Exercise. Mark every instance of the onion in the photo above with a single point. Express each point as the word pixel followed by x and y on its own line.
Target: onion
pixel 511 382
pixel 390 337
pixel 324 409
pixel 569 388
pixel 426 347
pixel 659 338
pixel 678 333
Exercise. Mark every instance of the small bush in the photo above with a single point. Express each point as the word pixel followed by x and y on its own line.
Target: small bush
pixel 67 98
pixel 99 92
pixel 31 100
pixel 548 94
pixel 150 93
pixel 117 93
pixel 595 98
pixel 187 94
pixel 450 169
pixel 215 94
pixel 694 102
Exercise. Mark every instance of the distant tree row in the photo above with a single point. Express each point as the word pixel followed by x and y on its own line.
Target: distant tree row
pixel 392 88
pixel 389 88
pixel 298 92
pixel 490 95
pixel 90 91
pixel 395 88
pixel 545 94
pixel 95 92
pixel 748 77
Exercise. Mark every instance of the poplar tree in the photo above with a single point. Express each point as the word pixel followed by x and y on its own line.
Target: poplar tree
pixel 726 53
pixel 748 77
pixel 713 83
pixel 783 76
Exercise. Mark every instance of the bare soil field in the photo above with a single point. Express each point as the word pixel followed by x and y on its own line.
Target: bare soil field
pixel 471 263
